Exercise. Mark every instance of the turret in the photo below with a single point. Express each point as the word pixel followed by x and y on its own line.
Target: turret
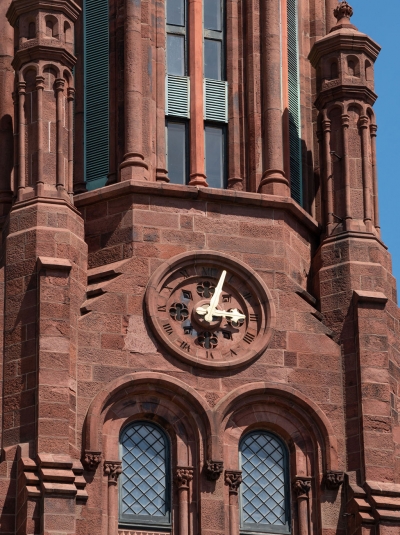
pixel 44 94
pixel 344 61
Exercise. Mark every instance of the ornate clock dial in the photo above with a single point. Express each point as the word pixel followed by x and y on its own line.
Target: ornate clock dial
pixel 210 309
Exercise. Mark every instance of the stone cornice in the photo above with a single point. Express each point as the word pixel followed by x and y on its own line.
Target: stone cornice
pixel 18 7
pixel 43 52
pixel 345 92
pixel 198 193
pixel 349 40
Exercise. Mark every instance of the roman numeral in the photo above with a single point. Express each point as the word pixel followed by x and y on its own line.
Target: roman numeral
pixel 184 273
pixel 209 355
pixel 226 298
pixel 253 317
pixel 248 338
pixel 230 279
pixel 247 296
pixel 185 346
pixel 233 353
pixel 169 288
pixel 168 329
pixel 162 308
pixel 209 272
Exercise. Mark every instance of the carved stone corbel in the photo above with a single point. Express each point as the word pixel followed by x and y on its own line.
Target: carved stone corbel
pixel 233 478
pixel 112 469
pixel 333 479
pixel 91 460
pixel 213 469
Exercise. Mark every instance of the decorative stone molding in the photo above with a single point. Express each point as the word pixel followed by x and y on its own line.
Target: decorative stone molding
pixel 302 486
pixel 233 478
pixel 91 460
pixel 333 479
pixel 112 469
pixel 184 475
pixel 343 11
pixel 213 469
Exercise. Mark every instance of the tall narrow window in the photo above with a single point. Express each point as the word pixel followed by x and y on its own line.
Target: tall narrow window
pixel 144 493
pixel 177 89
pixel 96 104
pixel 264 499
pixel 296 174
pixel 215 92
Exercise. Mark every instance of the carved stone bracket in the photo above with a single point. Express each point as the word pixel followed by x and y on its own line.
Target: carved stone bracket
pixel 184 475
pixel 213 469
pixel 112 469
pixel 91 460
pixel 233 478
pixel 302 486
pixel 333 479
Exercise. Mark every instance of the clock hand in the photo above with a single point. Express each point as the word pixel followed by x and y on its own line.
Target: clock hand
pixel 234 315
pixel 215 298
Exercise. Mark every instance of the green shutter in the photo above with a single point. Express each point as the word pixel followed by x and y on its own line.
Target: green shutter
pixel 96 69
pixel 294 103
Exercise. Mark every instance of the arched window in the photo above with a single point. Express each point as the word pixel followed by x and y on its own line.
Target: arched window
pixel 296 172
pixel 264 493
pixel 96 104
pixel 144 492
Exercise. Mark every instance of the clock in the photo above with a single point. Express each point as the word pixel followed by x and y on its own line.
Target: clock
pixel 210 310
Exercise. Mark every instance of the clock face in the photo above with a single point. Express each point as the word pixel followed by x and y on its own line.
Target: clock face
pixel 210 309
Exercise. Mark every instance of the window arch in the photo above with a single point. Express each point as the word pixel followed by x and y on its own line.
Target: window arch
pixel 144 485
pixel 264 493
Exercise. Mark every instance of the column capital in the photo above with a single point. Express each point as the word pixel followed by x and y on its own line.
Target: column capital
pixel 112 469
pixel 21 88
pixel 346 120
pixel 363 121
pixel 302 486
pixel 39 82
pixel 59 83
pixel 184 475
pixel 333 479
pixel 233 478
pixel 373 129
pixel 326 125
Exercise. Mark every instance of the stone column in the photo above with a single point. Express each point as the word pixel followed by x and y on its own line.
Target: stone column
pixel 366 168
pixel 59 119
pixel 346 164
pixel 70 179
pixel 373 129
pixel 301 489
pixel 184 476
pixel 133 167
pixel 39 90
pixel 112 469
pixel 326 125
pixel 161 163
pixel 273 181
pixel 233 478
pixel 21 139
pixel 235 179
pixel 197 150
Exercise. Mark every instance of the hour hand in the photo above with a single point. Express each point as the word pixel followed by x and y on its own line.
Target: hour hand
pixel 215 298
pixel 234 314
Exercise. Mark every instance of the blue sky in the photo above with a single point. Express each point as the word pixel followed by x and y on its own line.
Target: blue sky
pixel 380 20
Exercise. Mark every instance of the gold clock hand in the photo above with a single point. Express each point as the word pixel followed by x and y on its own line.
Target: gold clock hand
pixel 215 298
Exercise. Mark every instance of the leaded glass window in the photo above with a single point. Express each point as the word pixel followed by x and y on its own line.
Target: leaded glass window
pixel 144 497
pixel 264 490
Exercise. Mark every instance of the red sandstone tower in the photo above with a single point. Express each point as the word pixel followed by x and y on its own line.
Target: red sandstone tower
pixel 200 325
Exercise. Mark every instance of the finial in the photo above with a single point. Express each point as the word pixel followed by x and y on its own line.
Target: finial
pixel 343 11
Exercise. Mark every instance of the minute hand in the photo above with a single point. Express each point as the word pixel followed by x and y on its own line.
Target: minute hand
pixel 215 298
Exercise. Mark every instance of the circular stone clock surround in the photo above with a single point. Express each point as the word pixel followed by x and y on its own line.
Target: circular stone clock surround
pixel 181 291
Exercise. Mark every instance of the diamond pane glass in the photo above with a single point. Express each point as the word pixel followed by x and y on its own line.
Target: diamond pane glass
pixel 263 500
pixel 144 474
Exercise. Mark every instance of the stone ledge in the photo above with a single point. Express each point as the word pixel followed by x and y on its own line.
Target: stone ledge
pixel 54 263
pixel 197 193
pixel 369 297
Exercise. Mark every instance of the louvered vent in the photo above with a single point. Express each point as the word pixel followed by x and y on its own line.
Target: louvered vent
pixel 177 96
pixel 96 93
pixel 294 104
pixel 215 100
